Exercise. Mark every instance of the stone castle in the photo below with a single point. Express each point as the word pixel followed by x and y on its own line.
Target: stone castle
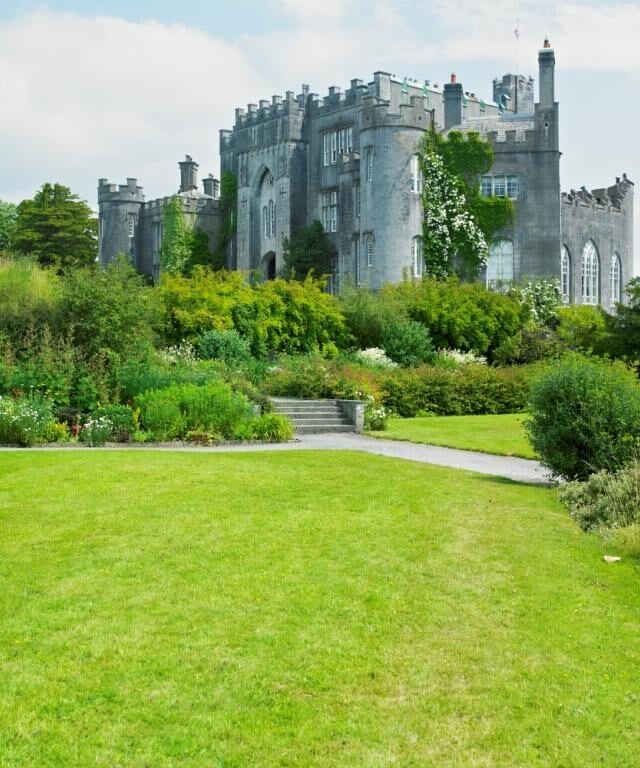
pixel 350 160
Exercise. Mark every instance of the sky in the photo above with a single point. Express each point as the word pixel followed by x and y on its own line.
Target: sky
pixel 92 89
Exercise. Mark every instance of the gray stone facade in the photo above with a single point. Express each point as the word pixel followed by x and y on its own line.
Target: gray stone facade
pixel 348 160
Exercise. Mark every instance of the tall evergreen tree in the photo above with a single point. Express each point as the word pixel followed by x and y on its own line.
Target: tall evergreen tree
pixel 56 228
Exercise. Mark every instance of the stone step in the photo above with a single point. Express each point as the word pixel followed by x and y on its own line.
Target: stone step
pixel 319 429
pixel 295 412
pixel 320 420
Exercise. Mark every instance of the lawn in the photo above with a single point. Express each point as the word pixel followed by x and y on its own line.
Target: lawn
pixel 503 434
pixel 304 609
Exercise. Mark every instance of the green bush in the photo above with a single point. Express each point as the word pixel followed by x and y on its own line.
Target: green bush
pixel 605 500
pixel 466 389
pixel 29 297
pixel 141 375
pixel 227 346
pixel 583 328
pixel 272 428
pixel 170 413
pixel 585 416
pixel 458 315
pixel 96 431
pixel 406 342
pixel 123 421
pixel 24 421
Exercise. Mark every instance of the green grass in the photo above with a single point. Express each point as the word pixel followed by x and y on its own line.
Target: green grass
pixel 502 434
pixel 304 609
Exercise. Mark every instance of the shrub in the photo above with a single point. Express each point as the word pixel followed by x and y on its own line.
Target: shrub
pixel 55 433
pixel 24 421
pixel 29 296
pixel 585 416
pixel 124 421
pixel 406 342
pixel 228 346
pixel 96 431
pixel 273 428
pixel 172 412
pixel 467 389
pixel 374 357
pixel 605 500
pixel 583 328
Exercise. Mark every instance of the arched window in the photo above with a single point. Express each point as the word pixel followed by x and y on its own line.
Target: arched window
pixel 565 275
pixel 272 219
pixel 500 265
pixel 417 259
pixel 417 178
pixel 590 274
pixel 265 221
pixel 615 281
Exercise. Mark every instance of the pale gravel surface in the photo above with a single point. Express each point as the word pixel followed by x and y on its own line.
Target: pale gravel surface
pixel 510 467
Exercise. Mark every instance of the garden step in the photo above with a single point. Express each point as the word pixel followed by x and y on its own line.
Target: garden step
pixel 313 416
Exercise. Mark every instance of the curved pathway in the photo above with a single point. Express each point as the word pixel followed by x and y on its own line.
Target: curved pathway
pixel 510 467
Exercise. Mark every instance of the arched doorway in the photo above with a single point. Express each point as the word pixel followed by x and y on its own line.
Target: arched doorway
pixel 269 265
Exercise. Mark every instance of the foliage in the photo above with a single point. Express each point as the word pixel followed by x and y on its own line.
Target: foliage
pixel 624 325
pixel 469 389
pixel 310 251
pixel 56 228
pixel 123 420
pixel 541 299
pixel 170 413
pixel 457 315
pixel 29 298
pixel 458 222
pixel 585 416
pixel 8 216
pixel 374 357
pixel 605 499
pixel 24 420
pixel 139 375
pixel 366 314
pixel 96 431
pixel 275 316
pixel 376 418
pixel 228 346
pixel 406 342
pixel 583 328
pixel 272 428
pixel 228 206
pixel 175 250
pixel 110 311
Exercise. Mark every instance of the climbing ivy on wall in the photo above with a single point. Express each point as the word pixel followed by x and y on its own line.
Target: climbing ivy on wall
pixel 175 251
pixel 228 207
pixel 459 223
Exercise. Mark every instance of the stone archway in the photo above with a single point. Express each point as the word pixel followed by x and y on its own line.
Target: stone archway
pixel 269 265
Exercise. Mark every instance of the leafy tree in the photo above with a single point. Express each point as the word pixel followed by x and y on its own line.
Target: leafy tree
pixel 8 216
pixel 110 311
pixel 624 326
pixel 56 228
pixel 459 223
pixel 309 251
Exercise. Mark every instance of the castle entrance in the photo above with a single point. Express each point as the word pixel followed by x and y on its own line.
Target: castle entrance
pixel 269 265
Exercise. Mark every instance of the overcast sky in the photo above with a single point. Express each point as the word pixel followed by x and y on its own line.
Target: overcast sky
pixel 93 89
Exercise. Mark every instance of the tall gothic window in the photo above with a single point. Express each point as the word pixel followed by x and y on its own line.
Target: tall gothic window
pixel 272 219
pixel 500 265
pixel 265 221
pixel 417 178
pixel 590 274
pixel 368 154
pixel 615 281
pixel 565 275
pixel 330 210
pixel 417 259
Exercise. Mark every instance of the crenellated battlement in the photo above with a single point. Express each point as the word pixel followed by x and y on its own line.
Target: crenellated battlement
pixel 112 193
pixel 605 198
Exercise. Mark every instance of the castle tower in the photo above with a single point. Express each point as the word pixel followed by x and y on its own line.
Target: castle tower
pixel 119 210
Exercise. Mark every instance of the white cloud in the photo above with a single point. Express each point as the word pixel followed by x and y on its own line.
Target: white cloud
pixel 586 37
pixel 102 96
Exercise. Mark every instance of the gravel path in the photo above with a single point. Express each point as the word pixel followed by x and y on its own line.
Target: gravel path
pixel 510 467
